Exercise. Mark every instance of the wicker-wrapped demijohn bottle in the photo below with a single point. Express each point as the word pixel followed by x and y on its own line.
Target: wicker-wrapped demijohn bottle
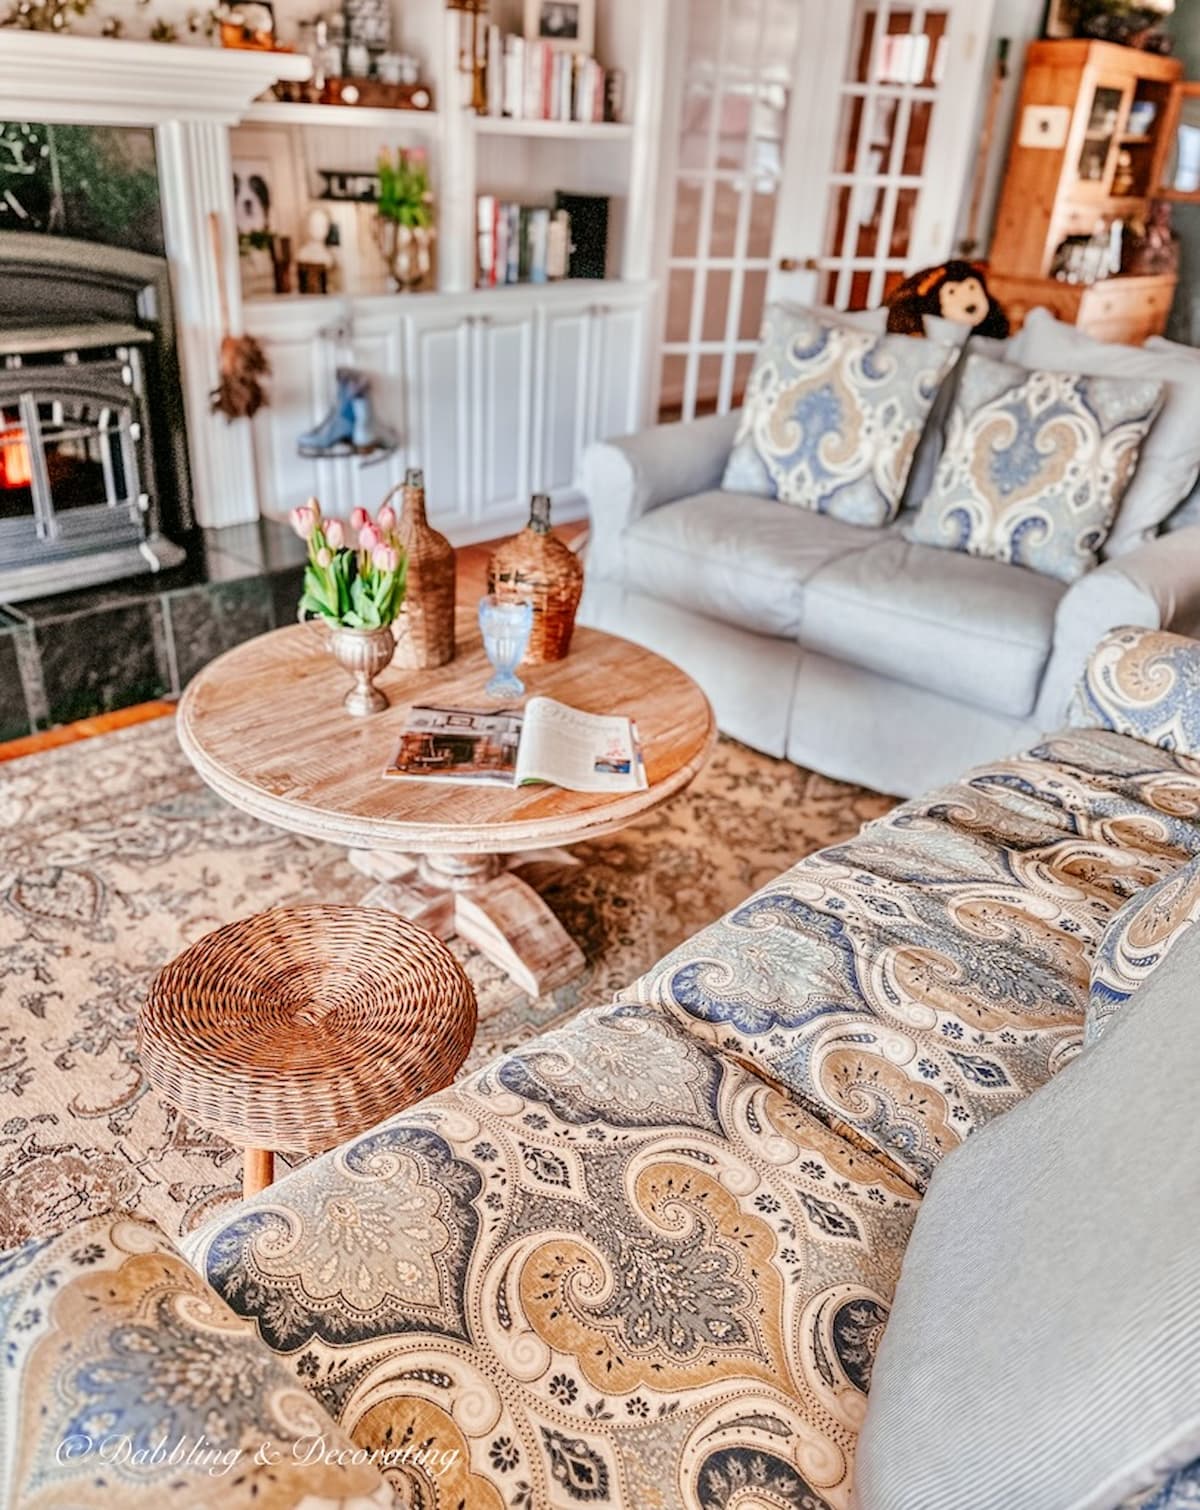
pixel 425 629
pixel 535 567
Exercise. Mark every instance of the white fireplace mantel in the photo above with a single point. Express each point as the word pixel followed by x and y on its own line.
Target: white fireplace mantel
pixel 190 96
pixel 108 81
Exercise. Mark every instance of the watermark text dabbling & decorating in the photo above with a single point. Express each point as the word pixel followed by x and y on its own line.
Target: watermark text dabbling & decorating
pixel 202 1455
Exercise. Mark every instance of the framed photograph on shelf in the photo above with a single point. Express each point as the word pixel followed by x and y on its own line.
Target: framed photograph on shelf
pixel 268 200
pixel 570 24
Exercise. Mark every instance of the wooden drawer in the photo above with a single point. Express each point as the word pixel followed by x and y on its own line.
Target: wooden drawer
pixel 1149 302
pixel 1019 295
pixel 1123 330
pixel 1120 309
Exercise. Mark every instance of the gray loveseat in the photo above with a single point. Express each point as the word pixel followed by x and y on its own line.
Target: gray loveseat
pixel 845 648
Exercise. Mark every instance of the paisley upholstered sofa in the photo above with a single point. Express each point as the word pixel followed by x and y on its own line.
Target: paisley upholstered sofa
pixel 646 1260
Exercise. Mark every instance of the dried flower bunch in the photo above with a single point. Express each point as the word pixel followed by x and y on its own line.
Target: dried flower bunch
pixel 359 585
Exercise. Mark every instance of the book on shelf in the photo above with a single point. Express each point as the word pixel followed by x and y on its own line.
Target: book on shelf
pixel 514 242
pixel 494 71
pixel 549 743
pixel 485 228
pixel 512 98
pixel 533 81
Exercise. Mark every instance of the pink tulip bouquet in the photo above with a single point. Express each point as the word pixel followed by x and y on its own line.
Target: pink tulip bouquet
pixel 357 585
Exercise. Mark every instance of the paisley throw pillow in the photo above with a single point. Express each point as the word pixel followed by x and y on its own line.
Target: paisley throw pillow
pixel 1035 465
pixel 833 414
pixel 1137 940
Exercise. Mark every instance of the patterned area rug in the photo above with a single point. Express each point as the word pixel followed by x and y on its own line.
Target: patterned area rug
pixel 114 856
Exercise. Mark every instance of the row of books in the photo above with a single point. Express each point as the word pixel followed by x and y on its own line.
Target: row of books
pixel 520 243
pixel 533 81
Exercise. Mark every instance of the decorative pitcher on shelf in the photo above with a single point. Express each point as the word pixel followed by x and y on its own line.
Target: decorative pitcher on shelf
pixel 407 250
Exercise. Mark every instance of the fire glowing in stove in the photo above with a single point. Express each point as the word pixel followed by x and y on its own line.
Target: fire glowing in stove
pixel 16 469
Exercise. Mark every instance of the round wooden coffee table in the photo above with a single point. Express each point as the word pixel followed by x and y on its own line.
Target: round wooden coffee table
pixel 265 727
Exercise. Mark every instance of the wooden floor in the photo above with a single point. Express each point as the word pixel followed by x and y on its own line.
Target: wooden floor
pixel 472 583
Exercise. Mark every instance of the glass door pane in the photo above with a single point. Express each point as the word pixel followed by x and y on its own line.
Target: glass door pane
pixel 1104 119
pixel 83 443
pixel 894 69
pixel 16 465
pixel 738 80
pixel 1181 174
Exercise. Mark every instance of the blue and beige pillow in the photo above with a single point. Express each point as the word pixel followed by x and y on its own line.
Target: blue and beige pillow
pixel 1137 940
pixel 1035 465
pixel 833 414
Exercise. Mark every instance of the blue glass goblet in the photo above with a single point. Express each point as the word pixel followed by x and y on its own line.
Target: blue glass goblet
pixel 505 628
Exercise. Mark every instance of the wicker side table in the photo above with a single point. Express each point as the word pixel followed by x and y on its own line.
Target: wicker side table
pixel 295 1029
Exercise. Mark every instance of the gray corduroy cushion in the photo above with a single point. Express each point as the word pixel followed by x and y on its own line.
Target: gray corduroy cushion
pixel 1044 1347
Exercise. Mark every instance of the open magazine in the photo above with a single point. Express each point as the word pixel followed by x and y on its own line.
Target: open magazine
pixel 548 742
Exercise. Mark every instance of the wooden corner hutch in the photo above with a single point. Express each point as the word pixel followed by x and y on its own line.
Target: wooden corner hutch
pixel 1078 158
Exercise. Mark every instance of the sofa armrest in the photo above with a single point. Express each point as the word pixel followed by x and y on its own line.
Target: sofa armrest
pixel 1156 586
pixel 1140 683
pixel 624 479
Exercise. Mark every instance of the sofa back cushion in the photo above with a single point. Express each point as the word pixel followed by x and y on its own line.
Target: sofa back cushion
pixel 127 1381
pixel 1144 683
pixel 1137 941
pixel 915 983
pixel 1170 457
pixel 833 414
pixel 1035 465
pixel 1044 1346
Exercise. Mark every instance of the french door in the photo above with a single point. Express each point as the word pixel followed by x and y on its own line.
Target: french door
pixel 817 151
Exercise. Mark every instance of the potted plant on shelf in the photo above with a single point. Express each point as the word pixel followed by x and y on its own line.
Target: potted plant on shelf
pixel 357 590
pixel 404 217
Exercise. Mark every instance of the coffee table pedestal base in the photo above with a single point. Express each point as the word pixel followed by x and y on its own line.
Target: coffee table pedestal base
pixel 482 900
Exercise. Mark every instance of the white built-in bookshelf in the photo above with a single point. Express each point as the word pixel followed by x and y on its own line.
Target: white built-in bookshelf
pixel 494 391
pixel 473 154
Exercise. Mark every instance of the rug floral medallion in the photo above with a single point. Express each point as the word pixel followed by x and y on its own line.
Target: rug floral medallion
pixel 114 856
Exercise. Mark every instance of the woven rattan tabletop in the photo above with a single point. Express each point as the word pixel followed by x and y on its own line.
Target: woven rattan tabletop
pixel 297 1028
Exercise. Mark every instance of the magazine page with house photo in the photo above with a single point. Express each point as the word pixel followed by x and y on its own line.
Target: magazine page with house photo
pixel 584 752
pixel 459 744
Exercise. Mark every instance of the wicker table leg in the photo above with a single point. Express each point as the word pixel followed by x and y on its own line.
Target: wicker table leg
pixel 258 1170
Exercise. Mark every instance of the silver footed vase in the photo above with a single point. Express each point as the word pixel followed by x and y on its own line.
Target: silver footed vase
pixel 364 653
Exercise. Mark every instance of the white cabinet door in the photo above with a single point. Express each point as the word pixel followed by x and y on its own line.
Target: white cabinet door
pixel 300 391
pixel 304 354
pixel 440 419
pixel 564 383
pixel 616 375
pixel 493 398
pixel 378 347
pixel 503 410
